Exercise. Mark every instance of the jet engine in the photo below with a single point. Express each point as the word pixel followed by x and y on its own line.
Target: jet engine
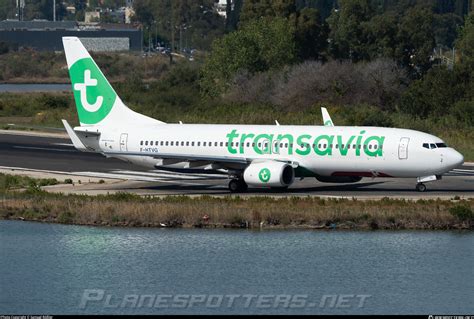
pixel 269 174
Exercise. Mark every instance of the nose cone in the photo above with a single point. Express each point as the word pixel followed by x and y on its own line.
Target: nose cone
pixel 455 159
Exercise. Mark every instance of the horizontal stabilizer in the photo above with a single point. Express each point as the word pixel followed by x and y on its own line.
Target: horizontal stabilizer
pixel 76 141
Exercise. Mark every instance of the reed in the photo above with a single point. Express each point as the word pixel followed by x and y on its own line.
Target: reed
pixel 234 211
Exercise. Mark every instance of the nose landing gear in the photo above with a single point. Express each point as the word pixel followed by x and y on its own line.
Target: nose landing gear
pixel 421 187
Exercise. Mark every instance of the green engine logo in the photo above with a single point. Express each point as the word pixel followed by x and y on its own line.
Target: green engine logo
pixel 93 94
pixel 264 175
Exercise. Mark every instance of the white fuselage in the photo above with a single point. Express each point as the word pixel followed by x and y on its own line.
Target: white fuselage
pixel 322 150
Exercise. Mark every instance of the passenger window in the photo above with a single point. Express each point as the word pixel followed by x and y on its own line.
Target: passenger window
pixel 248 144
pixel 141 142
pixel 253 144
pixel 171 143
pixel 336 145
pixel 222 144
pixel 353 146
pixel 146 143
pixel 375 146
pixel 370 146
pixel 192 143
pixel 204 143
pixel 199 144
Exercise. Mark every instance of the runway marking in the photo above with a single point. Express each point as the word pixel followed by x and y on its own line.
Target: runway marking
pixel 172 175
pixel 63 144
pixel 130 177
pixel 44 149
pixel 463 170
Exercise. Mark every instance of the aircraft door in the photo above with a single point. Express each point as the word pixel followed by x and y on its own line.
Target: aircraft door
pixel 123 142
pixel 403 148
pixel 276 147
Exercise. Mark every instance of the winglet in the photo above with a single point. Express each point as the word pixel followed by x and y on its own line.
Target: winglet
pixel 326 118
pixel 74 138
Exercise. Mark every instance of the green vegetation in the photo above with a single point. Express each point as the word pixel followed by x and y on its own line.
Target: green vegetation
pixel 48 67
pixel 125 209
pixel 12 182
pixel 259 46
pixel 462 212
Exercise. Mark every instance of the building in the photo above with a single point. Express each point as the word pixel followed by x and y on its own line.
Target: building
pixel 46 35
pixel 221 8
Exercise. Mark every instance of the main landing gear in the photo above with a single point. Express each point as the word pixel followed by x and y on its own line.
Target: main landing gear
pixel 238 186
pixel 420 187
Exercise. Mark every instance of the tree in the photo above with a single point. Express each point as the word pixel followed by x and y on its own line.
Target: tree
pixel 382 35
pixel 349 36
pixel 233 10
pixel 445 28
pixel 465 42
pixel 194 20
pixel 255 9
pixel 310 34
pixel 310 30
pixel 260 45
pixel 415 39
pixel 7 9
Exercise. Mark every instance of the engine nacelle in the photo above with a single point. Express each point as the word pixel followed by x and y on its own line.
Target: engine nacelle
pixel 338 179
pixel 269 174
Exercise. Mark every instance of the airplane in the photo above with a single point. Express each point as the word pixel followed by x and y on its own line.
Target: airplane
pixel 263 156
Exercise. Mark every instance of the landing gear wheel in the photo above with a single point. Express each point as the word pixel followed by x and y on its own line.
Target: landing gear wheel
pixel 420 187
pixel 237 186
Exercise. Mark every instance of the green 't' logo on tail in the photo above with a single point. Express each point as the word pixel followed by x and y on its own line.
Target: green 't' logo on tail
pixel 264 175
pixel 93 94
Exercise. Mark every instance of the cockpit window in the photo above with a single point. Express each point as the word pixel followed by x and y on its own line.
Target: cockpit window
pixel 433 145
